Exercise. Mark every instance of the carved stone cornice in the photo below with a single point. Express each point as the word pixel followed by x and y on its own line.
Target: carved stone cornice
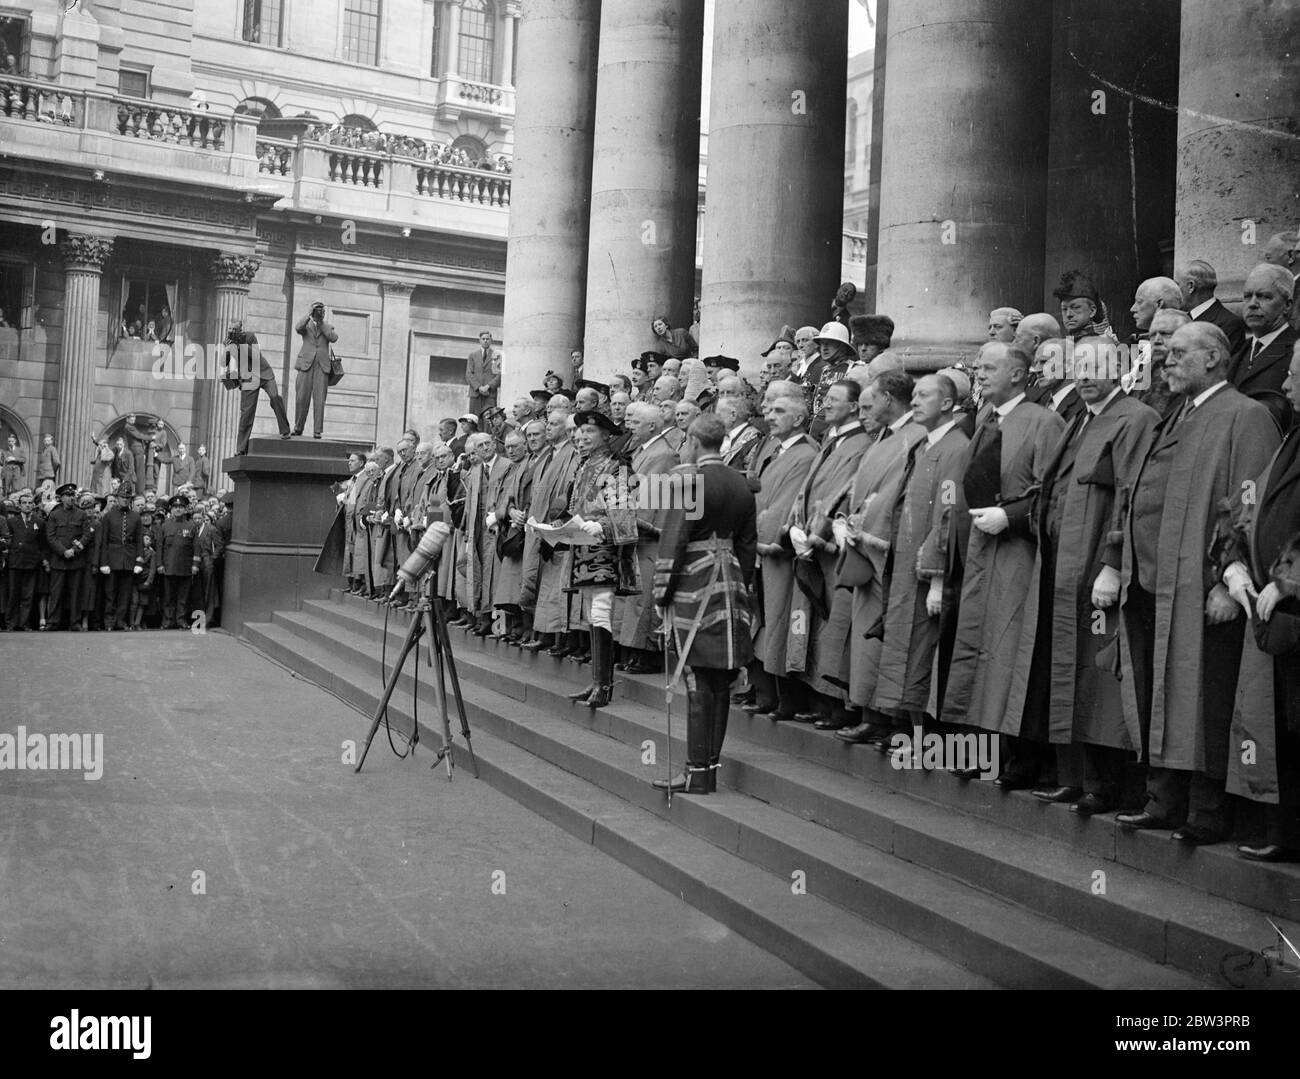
pixel 308 277
pixel 234 271
pixel 86 253
pixel 398 288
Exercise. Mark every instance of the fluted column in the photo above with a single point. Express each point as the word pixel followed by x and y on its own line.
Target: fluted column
pixel 231 276
pixel 546 259
pixel 963 170
pixel 644 177
pixel 774 210
pixel 1238 134
pixel 508 25
pixel 452 11
pixel 83 261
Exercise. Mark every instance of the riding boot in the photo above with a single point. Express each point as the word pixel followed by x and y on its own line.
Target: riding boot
pixel 585 696
pixel 602 667
pixel 694 779
pixel 721 712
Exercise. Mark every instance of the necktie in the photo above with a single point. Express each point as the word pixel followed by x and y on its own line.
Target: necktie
pixel 1256 347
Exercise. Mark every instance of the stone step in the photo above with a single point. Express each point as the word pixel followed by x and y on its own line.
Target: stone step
pixel 828 944
pixel 1163 919
pixel 1010 944
pixel 1216 870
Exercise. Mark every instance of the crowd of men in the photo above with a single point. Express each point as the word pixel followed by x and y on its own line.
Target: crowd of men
pixel 71 559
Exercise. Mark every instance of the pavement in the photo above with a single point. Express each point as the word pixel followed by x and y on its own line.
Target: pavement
pixel 228 844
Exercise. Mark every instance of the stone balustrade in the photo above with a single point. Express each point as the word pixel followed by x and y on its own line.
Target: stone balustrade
pixel 275 156
pixel 479 92
pixel 854 247
pixel 463 185
pixel 28 99
pixel 356 167
pixel 166 123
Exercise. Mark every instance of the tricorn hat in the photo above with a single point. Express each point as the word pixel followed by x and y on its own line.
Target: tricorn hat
pixel 581 419
pixel 589 384
pixel 727 363
pixel 540 396
pixel 786 336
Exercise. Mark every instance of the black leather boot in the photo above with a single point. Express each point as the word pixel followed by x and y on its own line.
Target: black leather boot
pixel 585 696
pixel 697 776
pixel 602 667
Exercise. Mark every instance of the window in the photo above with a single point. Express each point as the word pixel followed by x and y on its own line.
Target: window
pixel 361 31
pixel 477 22
pixel 263 22
pixel 133 82
pixel 434 60
pixel 148 309
pixel 13 45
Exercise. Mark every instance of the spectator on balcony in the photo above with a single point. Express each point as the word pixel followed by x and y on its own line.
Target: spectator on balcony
pixel 101 468
pixel 9 65
pixel 676 343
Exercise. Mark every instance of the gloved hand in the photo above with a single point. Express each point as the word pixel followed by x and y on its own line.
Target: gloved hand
pixel 991 520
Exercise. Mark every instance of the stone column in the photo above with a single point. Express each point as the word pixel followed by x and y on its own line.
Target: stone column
pixel 774 212
pixel 452 30
pixel 1110 171
pixel 508 24
pixel 1238 128
pixel 546 258
pixel 394 356
pixel 963 170
pixel 231 276
pixel 644 177
pixel 83 264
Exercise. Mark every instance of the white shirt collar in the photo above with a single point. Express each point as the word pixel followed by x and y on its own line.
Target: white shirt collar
pixel 835 432
pixel 1267 339
pixel 786 443
pixel 939 432
pixel 901 422
pixel 737 429
pixel 1060 395
pixel 1004 410
pixel 1097 407
pixel 1201 308
pixel 1204 395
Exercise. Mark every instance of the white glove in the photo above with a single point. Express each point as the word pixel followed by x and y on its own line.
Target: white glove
pixel 593 528
pixel 1236 578
pixel 840 529
pixel 491 520
pixel 934 598
pixel 1105 589
pixel 799 539
pixel 990 521
pixel 138 569
pixel 105 570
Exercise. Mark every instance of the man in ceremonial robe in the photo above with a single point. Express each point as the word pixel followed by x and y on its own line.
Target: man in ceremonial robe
pixel 1013 438
pixel 1265 573
pixel 482 488
pixel 1084 487
pixel 511 504
pixel 653 459
pixel 919 562
pixel 541 584
pixel 779 475
pixel 1181 632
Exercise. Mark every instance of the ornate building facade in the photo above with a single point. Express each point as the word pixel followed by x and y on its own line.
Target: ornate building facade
pixel 170 167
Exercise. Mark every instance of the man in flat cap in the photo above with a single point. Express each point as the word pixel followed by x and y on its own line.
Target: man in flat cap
pixel 313 367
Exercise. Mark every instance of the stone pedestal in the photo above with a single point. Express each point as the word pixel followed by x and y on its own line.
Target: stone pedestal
pixel 774 211
pixel 644 177
pixel 546 259
pixel 282 513
pixel 1238 134
pixel 83 259
pixel 963 170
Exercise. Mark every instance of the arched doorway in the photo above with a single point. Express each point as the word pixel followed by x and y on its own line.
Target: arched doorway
pixel 17 463
pixel 138 430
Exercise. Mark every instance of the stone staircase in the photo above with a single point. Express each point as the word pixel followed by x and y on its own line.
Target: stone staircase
pixel 854 872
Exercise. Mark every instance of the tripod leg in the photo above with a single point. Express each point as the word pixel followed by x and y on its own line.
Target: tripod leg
pixel 444 649
pixel 440 695
pixel 412 638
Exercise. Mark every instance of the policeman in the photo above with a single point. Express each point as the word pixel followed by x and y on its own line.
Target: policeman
pixel 178 562
pixel 67 530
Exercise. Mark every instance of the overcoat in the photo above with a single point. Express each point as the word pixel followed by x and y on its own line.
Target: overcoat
pixel 543 571
pixel 780 477
pixel 480 554
pixel 516 493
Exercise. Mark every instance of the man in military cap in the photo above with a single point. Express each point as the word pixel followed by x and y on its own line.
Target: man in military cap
pixel 68 532
pixel 178 563
pixel 118 557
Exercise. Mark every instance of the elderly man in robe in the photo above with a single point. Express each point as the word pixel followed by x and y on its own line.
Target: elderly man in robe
pixel 919 571
pixel 809 534
pixel 483 480
pixel 850 649
pixel 1263 575
pixel 743 438
pixel 371 510
pixel 636 625
pixel 1084 484
pixel 778 474
pixel 1013 438
pixel 1181 632
pixel 513 500
pixel 1259 368
pixel 541 581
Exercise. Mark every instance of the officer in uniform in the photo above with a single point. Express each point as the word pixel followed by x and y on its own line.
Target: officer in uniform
pixel 178 563
pixel 118 557
pixel 67 530
pixel 703 575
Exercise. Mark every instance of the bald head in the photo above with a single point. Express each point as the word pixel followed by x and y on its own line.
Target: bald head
pixel 1154 294
pixel 1002 371
pixel 1035 329
pixel 1197 281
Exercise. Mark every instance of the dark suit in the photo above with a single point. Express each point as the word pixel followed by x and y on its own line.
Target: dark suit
pixel 1229 323
pixel 118 548
pixel 250 386
pixel 1071 404
pixel 208 545
pixel 313 367
pixel 27 550
pixel 67 530
pixel 1262 375
pixel 177 563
